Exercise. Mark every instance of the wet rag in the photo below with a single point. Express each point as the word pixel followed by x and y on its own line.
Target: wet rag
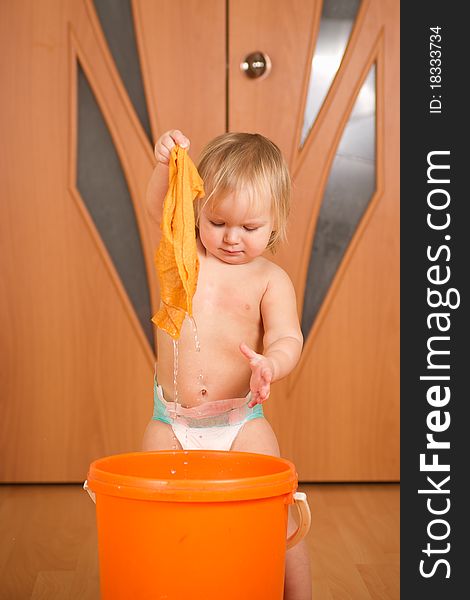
pixel 176 256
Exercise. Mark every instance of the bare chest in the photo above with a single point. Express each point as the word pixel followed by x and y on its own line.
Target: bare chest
pixel 230 291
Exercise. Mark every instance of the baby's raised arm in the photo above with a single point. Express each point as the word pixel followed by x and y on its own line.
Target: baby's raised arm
pixel 158 183
pixel 282 339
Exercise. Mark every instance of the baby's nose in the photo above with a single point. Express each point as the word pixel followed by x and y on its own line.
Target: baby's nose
pixel 231 235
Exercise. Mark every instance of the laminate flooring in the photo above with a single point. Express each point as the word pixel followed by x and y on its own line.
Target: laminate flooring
pixel 48 543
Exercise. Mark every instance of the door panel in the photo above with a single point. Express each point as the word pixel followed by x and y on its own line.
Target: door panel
pixel 182 49
pixel 270 105
pixel 337 414
pixel 77 367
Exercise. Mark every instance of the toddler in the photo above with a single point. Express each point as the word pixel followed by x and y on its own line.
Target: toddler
pixel 244 309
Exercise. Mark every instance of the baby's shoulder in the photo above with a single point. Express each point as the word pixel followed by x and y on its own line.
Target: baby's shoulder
pixel 271 271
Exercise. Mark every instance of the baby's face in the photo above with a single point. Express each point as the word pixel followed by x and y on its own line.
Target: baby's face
pixel 235 231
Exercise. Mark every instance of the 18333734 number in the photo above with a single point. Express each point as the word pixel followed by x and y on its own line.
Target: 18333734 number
pixel 435 69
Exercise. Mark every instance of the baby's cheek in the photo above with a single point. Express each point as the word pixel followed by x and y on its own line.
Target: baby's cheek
pixel 204 237
pixel 262 245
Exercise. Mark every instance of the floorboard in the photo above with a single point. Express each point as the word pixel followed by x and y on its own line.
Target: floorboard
pixel 48 547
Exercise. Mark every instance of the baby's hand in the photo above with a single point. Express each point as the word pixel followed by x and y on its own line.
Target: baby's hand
pixel 261 375
pixel 166 142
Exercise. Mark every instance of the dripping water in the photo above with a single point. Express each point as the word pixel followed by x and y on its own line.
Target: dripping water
pixel 196 336
pixel 175 386
pixel 175 372
pixel 197 343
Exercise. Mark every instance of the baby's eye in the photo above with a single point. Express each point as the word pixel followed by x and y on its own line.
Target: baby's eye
pixel 216 224
pixel 248 228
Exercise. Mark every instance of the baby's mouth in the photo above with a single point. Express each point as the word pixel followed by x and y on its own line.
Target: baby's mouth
pixel 232 252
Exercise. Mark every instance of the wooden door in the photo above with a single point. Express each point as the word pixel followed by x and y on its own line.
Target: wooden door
pixel 76 353
pixel 337 414
pixel 76 358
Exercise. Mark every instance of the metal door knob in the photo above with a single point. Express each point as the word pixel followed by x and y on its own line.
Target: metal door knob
pixel 255 65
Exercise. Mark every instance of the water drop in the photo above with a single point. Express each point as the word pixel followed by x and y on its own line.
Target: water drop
pixel 196 337
pixel 175 373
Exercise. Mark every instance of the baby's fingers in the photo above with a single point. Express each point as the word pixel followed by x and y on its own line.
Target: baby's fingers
pixel 179 138
pixel 259 398
pixel 266 375
pixel 264 390
pixel 162 155
pixel 167 142
pixel 264 384
pixel 163 149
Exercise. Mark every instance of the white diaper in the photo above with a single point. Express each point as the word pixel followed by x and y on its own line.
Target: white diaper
pixel 206 438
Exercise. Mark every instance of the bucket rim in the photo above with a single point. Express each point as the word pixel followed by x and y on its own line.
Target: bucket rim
pixel 105 482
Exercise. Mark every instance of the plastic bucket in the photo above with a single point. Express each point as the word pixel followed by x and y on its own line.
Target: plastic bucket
pixel 198 525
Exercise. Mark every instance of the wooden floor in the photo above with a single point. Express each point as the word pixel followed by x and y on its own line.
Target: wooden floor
pixel 48 546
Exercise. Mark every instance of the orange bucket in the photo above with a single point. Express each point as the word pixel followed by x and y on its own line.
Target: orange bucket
pixel 199 525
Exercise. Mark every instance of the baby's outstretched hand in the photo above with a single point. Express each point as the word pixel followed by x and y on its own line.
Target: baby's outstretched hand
pixel 166 142
pixel 261 375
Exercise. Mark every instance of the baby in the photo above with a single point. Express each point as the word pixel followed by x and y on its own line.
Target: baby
pixel 244 308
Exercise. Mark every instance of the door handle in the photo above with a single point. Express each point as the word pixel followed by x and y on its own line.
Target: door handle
pixel 256 64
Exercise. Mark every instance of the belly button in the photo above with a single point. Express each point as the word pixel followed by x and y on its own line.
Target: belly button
pixel 203 391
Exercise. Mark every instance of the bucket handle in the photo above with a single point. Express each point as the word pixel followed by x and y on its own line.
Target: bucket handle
pixel 91 493
pixel 300 501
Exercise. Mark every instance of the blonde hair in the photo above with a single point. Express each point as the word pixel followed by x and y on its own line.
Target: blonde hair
pixel 251 163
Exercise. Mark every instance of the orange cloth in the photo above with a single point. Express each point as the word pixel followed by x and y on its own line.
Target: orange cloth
pixel 176 257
